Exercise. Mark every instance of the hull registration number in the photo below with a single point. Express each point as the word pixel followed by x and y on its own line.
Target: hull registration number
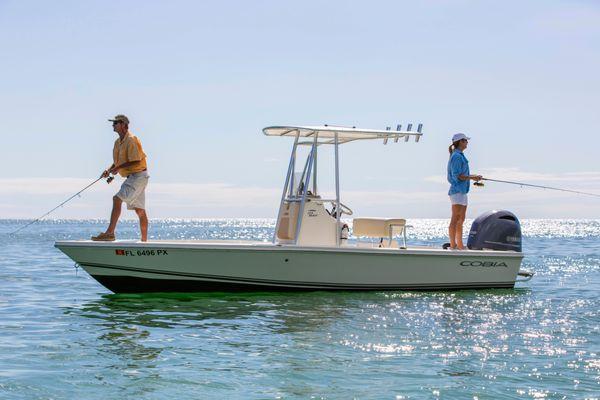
pixel 140 253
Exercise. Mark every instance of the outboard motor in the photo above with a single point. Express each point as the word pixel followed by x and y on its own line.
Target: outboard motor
pixel 495 230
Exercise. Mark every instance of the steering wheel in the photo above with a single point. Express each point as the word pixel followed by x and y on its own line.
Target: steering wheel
pixel 343 208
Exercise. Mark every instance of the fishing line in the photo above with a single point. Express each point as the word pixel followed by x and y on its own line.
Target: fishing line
pixel 108 180
pixel 540 187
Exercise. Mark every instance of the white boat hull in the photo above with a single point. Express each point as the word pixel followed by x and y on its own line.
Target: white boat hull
pixel 128 267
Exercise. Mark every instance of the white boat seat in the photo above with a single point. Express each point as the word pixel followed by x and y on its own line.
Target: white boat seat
pixel 380 228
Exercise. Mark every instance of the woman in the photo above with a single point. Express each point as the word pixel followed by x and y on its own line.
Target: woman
pixel 458 177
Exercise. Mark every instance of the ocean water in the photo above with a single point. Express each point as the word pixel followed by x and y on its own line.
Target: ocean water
pixel 63 336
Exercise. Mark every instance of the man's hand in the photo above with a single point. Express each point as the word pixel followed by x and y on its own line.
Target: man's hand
pixel 105 174
pixel 477 178
pixel 114 170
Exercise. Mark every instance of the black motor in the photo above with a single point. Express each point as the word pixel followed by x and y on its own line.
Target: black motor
pixel 495 230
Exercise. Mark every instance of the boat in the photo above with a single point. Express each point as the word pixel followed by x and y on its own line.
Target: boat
pixel 312 246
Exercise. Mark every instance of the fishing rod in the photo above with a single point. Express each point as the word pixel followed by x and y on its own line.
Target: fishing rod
pixel 536 186
pixel 108 180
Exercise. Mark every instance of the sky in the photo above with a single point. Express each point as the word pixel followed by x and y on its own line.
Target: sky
pixel 199 81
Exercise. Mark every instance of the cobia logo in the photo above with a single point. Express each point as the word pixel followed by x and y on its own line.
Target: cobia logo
pixel 484 264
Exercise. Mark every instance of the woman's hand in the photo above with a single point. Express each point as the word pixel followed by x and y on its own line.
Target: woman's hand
pixel 476 178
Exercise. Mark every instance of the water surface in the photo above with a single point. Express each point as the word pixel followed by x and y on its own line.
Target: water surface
pixel 64 336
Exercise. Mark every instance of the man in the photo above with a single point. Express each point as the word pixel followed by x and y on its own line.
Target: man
pixel 130 162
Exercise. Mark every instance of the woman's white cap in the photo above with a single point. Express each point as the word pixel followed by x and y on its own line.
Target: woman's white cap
pixel 459 136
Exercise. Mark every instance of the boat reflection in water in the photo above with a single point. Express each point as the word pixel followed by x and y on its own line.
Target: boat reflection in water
pixel 222 339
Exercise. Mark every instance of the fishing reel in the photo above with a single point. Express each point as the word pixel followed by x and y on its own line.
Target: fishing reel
pixel 480 184
pixel 110 179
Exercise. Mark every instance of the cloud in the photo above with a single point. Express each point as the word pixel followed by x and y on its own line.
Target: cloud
pixel 272 160
pixel 436 179
pixel 216 194
pixel 26 197
pixel 42 186
pixel 31 197
pixel 575 179
pixel 211 192
pixel 515 174
pixel 532 202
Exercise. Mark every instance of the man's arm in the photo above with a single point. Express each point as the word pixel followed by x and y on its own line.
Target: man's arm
pixel 106 172
pixel 115 168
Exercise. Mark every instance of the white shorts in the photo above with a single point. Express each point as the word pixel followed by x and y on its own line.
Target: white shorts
pixel 459 198
pixel 133 190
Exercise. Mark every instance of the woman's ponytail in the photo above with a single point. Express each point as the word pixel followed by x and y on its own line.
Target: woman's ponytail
pixel 453 147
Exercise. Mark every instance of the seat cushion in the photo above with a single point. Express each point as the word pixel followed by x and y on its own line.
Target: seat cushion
pixel 371 227
pixel 376 227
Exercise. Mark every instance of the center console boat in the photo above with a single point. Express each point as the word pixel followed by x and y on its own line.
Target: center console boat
pixel 311 247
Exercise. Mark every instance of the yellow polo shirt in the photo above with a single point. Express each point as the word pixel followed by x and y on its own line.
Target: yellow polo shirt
pixel 129 149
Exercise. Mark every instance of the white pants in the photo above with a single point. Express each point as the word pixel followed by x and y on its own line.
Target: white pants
pixel 133 190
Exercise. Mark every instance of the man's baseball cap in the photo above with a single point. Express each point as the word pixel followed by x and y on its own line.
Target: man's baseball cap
pixel 120 118
pixel 459 136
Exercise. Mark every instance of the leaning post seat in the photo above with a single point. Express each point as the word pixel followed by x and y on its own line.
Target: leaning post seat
pixel 288 221
pixel 380 228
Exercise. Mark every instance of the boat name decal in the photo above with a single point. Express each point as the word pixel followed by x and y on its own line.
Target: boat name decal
pixel 134 253
pixel 483 264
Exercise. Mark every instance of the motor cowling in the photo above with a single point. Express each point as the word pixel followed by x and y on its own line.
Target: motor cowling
pixel 495 230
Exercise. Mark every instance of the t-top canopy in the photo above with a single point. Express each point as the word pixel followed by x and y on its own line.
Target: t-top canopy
pixel 345 134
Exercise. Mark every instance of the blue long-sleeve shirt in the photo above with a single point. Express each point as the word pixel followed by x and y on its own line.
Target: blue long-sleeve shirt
pixel 458 165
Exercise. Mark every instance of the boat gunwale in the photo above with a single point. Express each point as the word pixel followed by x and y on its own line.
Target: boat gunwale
pixel 267 246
